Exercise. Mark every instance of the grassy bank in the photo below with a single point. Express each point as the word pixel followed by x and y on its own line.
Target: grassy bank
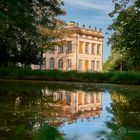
pixel 128 78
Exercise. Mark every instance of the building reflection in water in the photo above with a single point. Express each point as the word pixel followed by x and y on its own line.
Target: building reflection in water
pixel 78 105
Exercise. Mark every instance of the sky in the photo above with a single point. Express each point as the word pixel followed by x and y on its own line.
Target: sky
pixel 91 12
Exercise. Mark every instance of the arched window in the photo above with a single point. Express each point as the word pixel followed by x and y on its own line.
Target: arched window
pixel 51 63
pixel 60 64
pixel 69 64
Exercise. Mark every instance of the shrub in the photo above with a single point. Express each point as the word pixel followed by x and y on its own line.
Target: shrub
pixel 71 76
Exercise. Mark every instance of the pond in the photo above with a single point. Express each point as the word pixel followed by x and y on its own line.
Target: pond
pixel 68 111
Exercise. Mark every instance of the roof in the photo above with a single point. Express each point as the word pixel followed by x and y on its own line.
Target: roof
pixel 84 31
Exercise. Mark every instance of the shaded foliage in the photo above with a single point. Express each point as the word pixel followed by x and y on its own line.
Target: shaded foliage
pixel 19 21
pixel 126 32
pixel 117 62
pixel 71 76
pixel 125 111
pixel 28 112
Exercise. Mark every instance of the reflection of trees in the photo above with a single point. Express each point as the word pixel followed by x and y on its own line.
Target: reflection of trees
pixel 28 110
pixel 23 113
pixel 48 132
pixel 50 108
pixel 125 122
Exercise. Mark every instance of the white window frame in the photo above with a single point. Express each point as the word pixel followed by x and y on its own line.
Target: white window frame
pixel 92 64
pixel 60 49
pixel 93 49
pixel 60 64
pixel 98 65
pixel 98 49
pixel 80 64
pixel 69 64
pixel 86 48
pixel 51 63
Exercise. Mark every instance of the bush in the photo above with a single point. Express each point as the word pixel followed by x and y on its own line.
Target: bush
pixel 71 76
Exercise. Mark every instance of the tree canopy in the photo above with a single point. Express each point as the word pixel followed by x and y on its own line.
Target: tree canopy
pixel 125 38
pixel 19 32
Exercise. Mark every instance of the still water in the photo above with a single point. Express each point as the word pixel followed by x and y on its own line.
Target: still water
pixel 66 111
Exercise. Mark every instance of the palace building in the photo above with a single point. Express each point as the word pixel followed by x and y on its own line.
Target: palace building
pixel 72 106
pixel 82 51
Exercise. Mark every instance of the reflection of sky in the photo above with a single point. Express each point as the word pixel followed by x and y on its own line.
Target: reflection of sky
pixel 91 128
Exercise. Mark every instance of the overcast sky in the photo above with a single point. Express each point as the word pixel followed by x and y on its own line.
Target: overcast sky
pixel 90 12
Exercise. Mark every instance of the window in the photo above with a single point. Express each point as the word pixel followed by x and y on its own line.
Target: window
pixel 80 99
pixel 60 64
pixel 60 97
pixel 97 98
pixel 68 99
pixel 69 47
pixel 80 47
pixel 98 49
pixel 86 65
pixel 86 48
pixel 98 65
pixel 51 63
pixel 44 64
pixel 92 98
pixel 36 66
pixel 80 65
pixel 60 49
pixel 93 49
pixel 52 51
pixel 69 64
pixel 92 65
pixel 85 99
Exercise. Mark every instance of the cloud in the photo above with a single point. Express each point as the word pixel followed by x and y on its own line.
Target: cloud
pixel 90 4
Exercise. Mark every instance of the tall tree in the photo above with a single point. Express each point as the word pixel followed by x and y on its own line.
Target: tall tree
pixel 126 32
pixel 19 19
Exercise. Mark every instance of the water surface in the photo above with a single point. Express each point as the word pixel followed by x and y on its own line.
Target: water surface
pixel 68 111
